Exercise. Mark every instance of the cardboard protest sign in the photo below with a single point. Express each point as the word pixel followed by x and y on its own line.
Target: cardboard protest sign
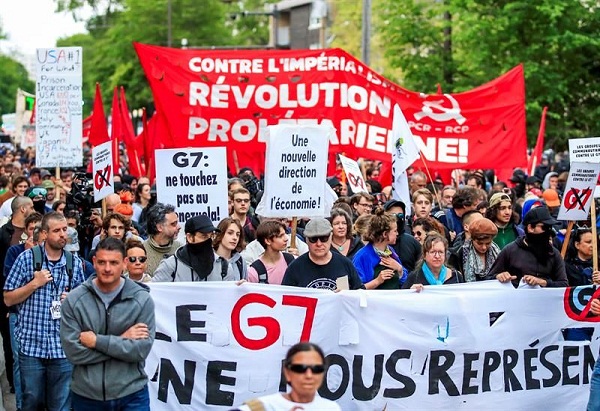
pixel 295 171
pixel 59 99
pixel 354 176
pixel 586 150
pixel 103 170
pixel 194 180
pixel 578 196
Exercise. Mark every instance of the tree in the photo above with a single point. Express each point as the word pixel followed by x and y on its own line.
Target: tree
pixel 556 40
pixel 14 76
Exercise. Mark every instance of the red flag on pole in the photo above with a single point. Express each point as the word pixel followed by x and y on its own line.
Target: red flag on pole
pixel 98 133
pixel 116 131
pixel 129 138
pixel 535 157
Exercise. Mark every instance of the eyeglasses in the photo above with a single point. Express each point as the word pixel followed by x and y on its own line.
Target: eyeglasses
pixel 242 200
pixel 437 253
pixel 302 368
pixel 142 259
pixel 322 238
pixel 365 205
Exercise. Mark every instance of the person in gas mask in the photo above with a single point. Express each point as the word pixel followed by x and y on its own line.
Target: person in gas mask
pixel 195 260
pixel 532 258
pixel 407 248
pixel 38 195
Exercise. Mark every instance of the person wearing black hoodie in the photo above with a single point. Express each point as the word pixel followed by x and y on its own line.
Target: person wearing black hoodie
pixel 407 248
pixel 532 258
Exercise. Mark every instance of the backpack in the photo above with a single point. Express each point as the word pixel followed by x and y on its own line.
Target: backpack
pixel 239 263
pixel 38 260
pixel 261 270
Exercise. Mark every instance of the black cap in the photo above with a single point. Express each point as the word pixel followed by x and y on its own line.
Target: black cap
pixel 199 224
pixel 394 203
pixel 532 180
pixel 538 215
pixel 333 182
pixel 518 176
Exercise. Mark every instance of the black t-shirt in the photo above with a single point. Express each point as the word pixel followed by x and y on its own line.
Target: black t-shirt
pixel 303 272
pixel 408 249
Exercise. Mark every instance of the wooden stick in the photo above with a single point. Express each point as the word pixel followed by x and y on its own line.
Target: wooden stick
pixel 563 250
pixel 435 193
pixel 594 236
pixel 103 208
pixel 57 185
pixel 293 234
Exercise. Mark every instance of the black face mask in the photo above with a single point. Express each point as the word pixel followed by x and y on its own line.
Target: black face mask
pixel 401 223
pixel 539 244
pixel 40 206
pixel 201 257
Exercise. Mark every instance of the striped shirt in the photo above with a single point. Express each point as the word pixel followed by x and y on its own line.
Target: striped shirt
pixel 38 334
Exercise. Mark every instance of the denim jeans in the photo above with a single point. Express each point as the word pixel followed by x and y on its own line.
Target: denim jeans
pixel 14 344
pixel 46 383
pixel 594 401
pixel 138 401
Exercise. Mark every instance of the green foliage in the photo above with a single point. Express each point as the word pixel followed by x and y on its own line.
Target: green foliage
pixel 556 40
pixel 13 76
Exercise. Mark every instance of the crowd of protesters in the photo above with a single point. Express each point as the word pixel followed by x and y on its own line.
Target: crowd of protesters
pixel 474 229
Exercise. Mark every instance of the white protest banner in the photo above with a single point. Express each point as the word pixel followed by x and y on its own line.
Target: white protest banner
pixel 584 150
pixel 194 180
pixel 59 107
pixel 218 345
pixel 354 177
pixel 295 170
pixel 103 171
pixel 576 201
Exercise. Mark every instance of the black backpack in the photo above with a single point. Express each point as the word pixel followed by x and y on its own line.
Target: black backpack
pixel 261 270
pixel 38 261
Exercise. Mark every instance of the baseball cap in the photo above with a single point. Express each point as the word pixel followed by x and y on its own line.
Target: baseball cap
pixel 317 227
pixel 518 176
pixel 498 198
pixel 45 173
pixel 551 197
pixel 200 224
pixel 538 215
pixel 48 184
pixel 72 240
pixel 394 203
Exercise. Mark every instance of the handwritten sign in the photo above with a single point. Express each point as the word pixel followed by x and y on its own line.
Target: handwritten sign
pixel 59 112
pixel 194 180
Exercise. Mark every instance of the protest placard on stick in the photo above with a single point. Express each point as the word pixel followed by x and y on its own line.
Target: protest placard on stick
pixel 103 171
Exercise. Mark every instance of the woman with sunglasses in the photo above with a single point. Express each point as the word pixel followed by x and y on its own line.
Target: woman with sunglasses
pixel 432 270
pixel 377 263
pixel 342 240
pixel 304 370
pixel 136 262
pixel 424 225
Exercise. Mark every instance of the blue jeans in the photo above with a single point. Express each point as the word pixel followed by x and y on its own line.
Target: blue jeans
pixel 14 344
pixel 594 401
pixel 46 383
pixel 138 401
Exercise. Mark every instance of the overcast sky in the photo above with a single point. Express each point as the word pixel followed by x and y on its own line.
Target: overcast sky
pixel 32 24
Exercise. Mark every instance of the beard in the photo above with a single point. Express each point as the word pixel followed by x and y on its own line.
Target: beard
pixel 200 256
pixel 539 245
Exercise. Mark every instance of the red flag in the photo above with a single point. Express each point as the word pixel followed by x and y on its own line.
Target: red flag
pixel 116 131
pixel 535 157
pixel 157 136
pixel 86 128
pixel 129 138
pixel 98 132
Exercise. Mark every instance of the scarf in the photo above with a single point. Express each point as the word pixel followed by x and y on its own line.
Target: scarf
pixel 199 256
pixel 429 275
pixel 473 268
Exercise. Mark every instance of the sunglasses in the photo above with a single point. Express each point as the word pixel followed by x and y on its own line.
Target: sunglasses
pixel 322 238
pixel 302 368
pixel 418 233
pixel 400 216
pixel 132 260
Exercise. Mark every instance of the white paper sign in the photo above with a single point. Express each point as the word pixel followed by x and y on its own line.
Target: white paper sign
pixel 585 150
pixel 354 177
pixel 103 170
pixel 59 107
pixel 295 169
pixel 194 180
pixel 579 192
pixel 219 344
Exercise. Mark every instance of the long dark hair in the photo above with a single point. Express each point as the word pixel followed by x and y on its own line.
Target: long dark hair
pixel 223 226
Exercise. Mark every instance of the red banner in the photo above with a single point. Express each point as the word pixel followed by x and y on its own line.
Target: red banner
pixel 218 97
